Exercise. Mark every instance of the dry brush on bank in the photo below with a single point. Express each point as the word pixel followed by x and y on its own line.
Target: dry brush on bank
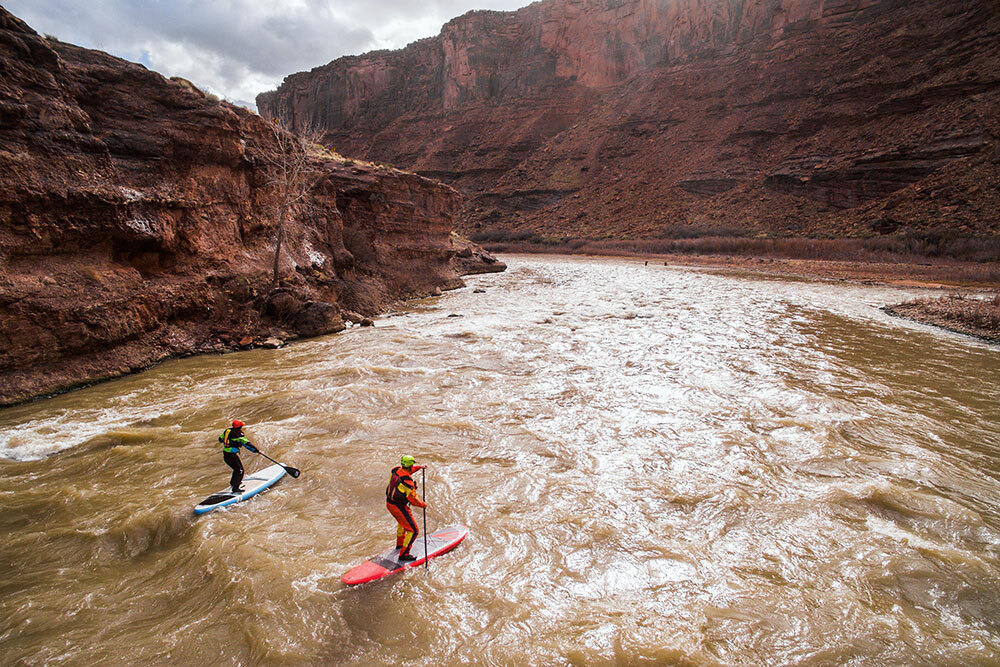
pixel 937 257
pixel 911 248
pixel 974 315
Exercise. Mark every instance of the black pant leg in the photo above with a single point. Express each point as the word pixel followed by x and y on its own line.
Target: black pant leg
pixel 232 460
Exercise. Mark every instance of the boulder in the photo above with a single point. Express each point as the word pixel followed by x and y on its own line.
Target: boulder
pixel 317 318
pixel 282 305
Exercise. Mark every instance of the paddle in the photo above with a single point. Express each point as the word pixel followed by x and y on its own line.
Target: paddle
pixel 294 472
pixel 423 480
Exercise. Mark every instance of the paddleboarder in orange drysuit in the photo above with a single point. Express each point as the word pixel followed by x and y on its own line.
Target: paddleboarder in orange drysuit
pixel 399 495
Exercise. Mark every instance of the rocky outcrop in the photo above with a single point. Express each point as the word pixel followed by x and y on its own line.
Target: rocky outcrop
pixel 602 118
pixel 471 259
pixel 137 223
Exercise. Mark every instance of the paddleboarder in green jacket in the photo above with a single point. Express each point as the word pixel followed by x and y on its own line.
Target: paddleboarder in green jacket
pixel 232 439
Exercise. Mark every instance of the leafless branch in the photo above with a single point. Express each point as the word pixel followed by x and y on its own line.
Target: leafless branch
pixel 291 171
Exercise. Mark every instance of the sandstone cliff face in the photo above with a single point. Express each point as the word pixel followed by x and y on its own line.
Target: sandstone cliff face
pixel 136 224
pixel 652 117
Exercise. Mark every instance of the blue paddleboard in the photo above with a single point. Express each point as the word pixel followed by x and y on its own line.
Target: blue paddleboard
pixel 253 484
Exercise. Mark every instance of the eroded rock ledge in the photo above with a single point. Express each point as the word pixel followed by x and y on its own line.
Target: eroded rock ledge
pixel 136 224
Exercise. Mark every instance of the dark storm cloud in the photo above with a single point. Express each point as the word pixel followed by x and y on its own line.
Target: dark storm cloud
pixel 238 48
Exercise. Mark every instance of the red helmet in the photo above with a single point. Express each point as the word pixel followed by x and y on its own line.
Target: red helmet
pixel 237 423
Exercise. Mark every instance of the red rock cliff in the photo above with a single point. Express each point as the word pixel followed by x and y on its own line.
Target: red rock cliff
pixel 136 224
pixel 645 117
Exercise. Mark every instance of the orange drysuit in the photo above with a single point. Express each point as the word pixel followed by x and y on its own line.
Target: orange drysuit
pixel 399 495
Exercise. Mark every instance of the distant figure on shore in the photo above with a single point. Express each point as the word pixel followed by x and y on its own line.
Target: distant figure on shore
pixel 399 495
pixel 232 439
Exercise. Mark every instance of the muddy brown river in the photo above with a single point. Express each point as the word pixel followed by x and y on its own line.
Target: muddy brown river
pixel 658 465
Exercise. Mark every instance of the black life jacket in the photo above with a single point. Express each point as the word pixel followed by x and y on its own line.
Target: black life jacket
pixel 392 493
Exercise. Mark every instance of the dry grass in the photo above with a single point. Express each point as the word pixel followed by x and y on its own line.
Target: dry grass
pixel 92 273
pixel 977 257
pixel 911 249
pixel 974 311
pixel 976 315
pixel 505 237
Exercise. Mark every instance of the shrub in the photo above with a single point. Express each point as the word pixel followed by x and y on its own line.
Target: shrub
pixel 505 236
pixel 92 273
pixel 692 232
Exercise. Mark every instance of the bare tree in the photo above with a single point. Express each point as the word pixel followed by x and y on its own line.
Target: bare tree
pixel 291 172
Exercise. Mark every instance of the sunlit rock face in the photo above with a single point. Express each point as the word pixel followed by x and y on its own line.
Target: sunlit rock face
pixel 645 117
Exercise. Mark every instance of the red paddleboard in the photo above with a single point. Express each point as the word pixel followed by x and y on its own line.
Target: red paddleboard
pixel 388 562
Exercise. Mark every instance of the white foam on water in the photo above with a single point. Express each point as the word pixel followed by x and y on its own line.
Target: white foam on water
pixel 64 428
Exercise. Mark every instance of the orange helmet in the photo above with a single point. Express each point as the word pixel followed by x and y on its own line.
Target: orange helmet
pixel 237 423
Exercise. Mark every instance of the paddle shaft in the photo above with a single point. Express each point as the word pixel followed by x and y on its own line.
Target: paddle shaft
pixel 423 480
pixel 294 472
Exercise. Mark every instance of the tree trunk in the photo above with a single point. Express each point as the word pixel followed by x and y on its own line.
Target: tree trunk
pixel 277 249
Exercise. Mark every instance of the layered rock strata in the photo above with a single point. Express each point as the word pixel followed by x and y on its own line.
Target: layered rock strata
pixel 137 222
pixel 648 118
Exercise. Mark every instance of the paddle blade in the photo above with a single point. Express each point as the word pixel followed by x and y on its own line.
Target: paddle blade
pixel 294 472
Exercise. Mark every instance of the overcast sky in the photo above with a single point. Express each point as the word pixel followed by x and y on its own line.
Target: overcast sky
pixel 238 48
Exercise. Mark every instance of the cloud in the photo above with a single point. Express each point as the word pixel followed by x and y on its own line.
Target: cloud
pixel 238 48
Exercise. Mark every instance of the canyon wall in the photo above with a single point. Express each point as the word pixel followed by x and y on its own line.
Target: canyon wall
pixel 138 222
pixel 647 118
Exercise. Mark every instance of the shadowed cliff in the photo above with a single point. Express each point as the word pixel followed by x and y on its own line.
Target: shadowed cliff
pixel 138 223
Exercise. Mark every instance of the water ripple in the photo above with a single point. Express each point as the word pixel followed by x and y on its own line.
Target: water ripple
pixel 658 465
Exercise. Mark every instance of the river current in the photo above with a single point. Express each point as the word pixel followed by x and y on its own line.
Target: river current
pixel 658 465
